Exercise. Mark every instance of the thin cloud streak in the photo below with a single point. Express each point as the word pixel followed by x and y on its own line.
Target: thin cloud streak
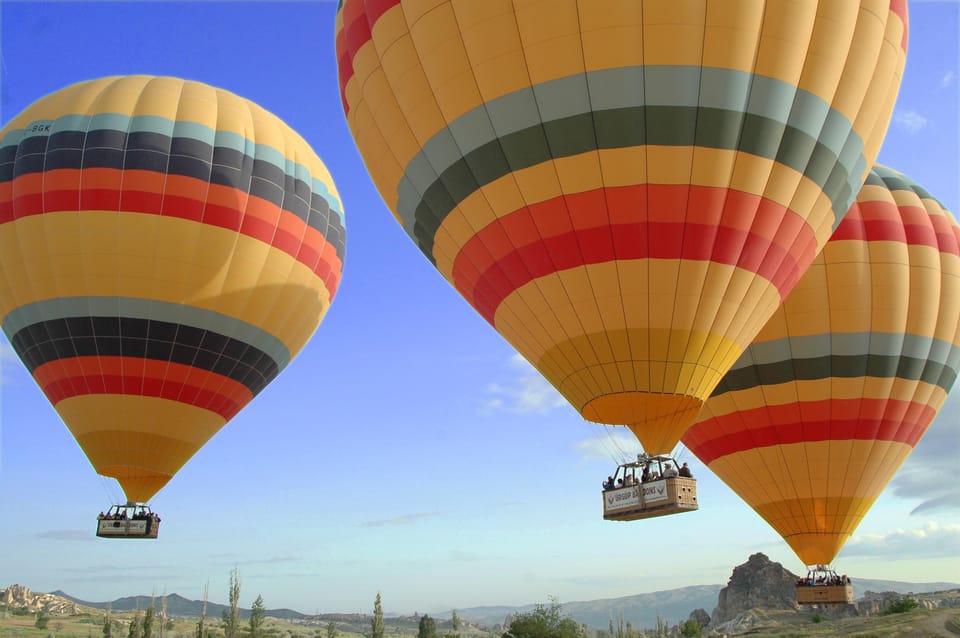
pixel 406 519
pixel 66 535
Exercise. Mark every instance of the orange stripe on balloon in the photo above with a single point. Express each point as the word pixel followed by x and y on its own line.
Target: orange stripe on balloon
pixel 78 376
pixel 836 420
pixel 633 222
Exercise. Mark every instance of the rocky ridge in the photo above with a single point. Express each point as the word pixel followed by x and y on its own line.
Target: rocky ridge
pixel 20 598
pixel 757 584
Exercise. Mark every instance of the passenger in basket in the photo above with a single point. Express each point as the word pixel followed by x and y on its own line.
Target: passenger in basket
pixel 670 472
pixel 685 471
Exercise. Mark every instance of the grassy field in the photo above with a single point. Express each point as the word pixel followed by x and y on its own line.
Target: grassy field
pixel 89 624
pixel 919 623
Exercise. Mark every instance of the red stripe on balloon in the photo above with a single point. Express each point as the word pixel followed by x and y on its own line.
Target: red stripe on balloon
pixel 237 211
pixel 359 19
pixel 633 222
pixel 899 8
pixel 81 376
pixel 827 420
pixel 886 221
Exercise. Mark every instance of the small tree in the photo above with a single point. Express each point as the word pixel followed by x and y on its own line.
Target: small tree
pixel 107 624
pixel 331 630
pixel 134 631
pixel 376 624
pixel 148 621
pixel 257 613
pixel 662 629
pixel 427 628
pixel 43 619
pixel 231 615
pixel 201 630
pixel 544 622
pixel 455 623
pixel 690 629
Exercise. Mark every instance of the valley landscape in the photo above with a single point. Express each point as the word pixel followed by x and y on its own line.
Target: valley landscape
pixel 758 600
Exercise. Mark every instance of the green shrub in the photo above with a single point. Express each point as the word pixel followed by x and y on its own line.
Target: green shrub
pixel 817 618
pixel 900 606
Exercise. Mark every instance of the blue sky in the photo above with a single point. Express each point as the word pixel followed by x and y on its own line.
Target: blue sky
pixel 406 450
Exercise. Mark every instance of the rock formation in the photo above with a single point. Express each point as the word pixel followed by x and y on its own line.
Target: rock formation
pixel 757 584
pixel 19 597
pixel 701 616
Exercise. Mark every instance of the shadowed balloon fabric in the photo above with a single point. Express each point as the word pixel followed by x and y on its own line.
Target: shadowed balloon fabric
pixel 815 418
pixel 167 248
pixel 625 190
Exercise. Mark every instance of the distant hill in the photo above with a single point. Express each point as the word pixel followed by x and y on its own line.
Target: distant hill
pixel 863 585
pixel 177 605
pixel 639 609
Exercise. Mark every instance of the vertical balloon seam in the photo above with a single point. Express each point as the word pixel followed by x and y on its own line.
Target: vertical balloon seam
pixel 721 354
pixel 688 339
pixel 602 372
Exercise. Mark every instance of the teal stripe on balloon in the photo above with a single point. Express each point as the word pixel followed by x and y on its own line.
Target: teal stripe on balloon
pixel 615 108
pixel 878 344
pixel 182 128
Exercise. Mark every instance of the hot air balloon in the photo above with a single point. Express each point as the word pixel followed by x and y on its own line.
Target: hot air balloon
pixel 817 415
pixel 624 190
pixel 167 248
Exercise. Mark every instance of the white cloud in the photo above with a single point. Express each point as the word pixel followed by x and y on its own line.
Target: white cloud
pixel 922 476
pixel 947 79
pixel 528 392
pixel 910 121
pixel 609 442
pixel 929 541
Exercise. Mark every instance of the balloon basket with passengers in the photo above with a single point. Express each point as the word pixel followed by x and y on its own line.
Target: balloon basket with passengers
pixel 823 586
pixel 131 520
pixel 649 487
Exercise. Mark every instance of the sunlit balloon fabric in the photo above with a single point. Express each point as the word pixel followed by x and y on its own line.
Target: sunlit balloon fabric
pixel 625 190
pixel 166 248
pixel 814 419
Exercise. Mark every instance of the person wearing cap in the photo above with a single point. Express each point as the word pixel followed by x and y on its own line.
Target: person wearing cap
pixel 685 471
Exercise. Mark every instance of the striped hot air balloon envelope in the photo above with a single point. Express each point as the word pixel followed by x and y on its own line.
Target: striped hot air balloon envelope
pixel 814 419
pixel 625 190
pixel 167 248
